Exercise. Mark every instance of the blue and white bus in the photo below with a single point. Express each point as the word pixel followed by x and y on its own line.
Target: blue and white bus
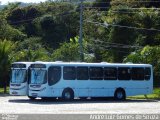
pixel 20 74
pixel 73 79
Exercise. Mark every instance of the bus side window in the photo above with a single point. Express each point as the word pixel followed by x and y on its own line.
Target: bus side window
pixel 124 73
pixel 54 74
pixel 137 73
pixel 96 73
pixel 69 73
pixel 110 73
pixel 82 73
pixel 147 73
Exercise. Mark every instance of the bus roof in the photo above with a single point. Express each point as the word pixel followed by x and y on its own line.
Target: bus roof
pixel 22 62
pixel 89 64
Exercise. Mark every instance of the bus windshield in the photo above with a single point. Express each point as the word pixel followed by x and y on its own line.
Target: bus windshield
pixel 18 76
pixel 38 76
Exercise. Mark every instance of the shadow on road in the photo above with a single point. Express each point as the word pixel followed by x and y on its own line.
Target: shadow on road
pixel 79 101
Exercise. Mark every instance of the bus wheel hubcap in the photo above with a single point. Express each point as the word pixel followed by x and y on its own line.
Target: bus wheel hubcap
pixel 119 95
pixel 67 95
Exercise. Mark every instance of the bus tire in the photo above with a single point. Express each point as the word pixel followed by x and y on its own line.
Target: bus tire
pixel 68 94
pixel 31 98
pixel 120 94
pixel 83 98
pixel 45 98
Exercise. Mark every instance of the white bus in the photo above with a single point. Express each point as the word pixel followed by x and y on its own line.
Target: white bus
pixel 19 78
pixel 70 80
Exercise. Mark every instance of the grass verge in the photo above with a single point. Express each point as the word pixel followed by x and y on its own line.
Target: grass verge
pixel 2 90
pixel 154 95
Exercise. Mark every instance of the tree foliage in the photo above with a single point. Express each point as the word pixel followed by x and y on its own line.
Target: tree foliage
pixel 6 48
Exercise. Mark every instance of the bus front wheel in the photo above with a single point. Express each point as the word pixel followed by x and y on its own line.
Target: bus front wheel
pixel 68 94
pixel 120 94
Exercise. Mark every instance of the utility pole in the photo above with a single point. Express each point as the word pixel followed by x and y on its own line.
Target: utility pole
pixel 81 32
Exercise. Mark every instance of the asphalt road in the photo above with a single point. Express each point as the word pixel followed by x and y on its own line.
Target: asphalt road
pixel 22 105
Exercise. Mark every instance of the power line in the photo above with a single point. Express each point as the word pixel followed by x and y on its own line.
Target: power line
pixel 90 1
pixel 21 21
pixel 125 8
pixel 125 2
pixel 69 12
pixel 96 7
pixel 120 45
pixel 121 26
pixel 128 12
pixel 107 48
pixel 28 20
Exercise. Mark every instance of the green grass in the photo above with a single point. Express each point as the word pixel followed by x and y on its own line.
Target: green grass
pixel 2 90
pixel 154 95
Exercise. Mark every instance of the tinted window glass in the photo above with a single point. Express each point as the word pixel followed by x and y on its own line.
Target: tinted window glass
pixel 38 76
pixel 54 75
pixel 82 73
pixel 110 73
pixel 29 76
pixel 19 76
pixel 137 73
pixel 96 73
pixel 124 73
pixel 147 73
pixel 69 73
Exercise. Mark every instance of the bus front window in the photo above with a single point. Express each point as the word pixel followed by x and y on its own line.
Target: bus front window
pixel 38 76
pixel 18 76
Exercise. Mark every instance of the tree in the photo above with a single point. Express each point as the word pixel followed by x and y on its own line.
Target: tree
pixel 6 48
pixel 32 14
pixel 16 15
pixel 10 7
pixel 136 3
pixel 147 19
pixel 96 35
pixel 8 32
pixel 70 52
pixel 120 38
pixel 102 5
pixel 54 31
pixel 33 55
pixel 67 51
pixel 31 49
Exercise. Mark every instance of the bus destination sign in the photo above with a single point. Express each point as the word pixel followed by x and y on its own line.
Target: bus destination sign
pixel 38 66
pixel 18 66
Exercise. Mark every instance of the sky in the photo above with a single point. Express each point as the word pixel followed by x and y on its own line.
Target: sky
pixel 4 2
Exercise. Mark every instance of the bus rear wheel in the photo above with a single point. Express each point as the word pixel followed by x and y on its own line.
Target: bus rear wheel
pixel 119 94
pixel 67 94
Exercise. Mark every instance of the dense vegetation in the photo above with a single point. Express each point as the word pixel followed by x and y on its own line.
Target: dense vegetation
pixel 113 31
